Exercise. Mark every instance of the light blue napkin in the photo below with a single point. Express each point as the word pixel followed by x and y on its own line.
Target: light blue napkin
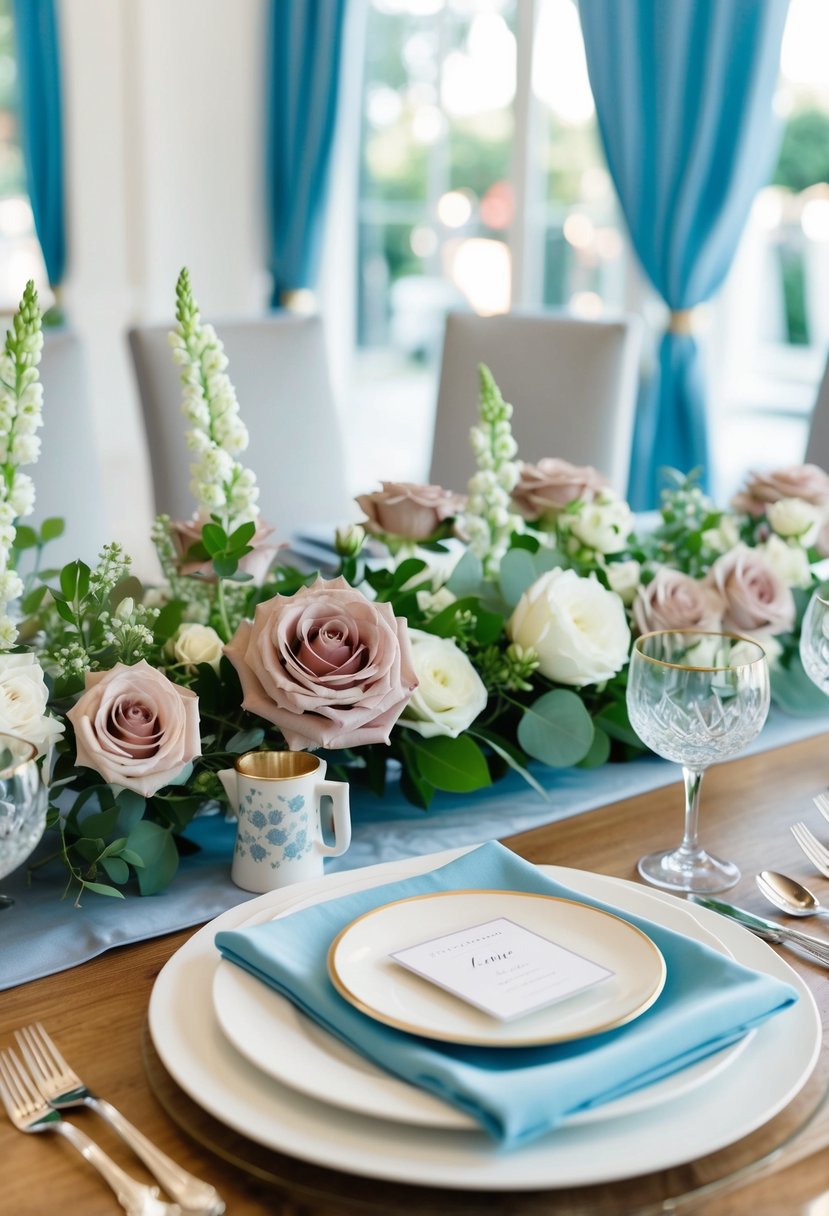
pixel 516 1094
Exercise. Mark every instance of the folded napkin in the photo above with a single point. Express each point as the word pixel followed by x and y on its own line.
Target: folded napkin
pixel 516 1093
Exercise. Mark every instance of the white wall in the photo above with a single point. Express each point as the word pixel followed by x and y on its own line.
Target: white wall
pixel 163 153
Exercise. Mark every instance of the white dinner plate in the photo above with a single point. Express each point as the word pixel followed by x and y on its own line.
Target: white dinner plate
pixel 362 971
pixel 192 1047
pixel 277 1038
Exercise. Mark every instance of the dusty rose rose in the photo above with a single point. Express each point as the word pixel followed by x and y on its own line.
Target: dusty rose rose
pixel 672 600
pixel 327 666
pixel 544 489
pixel 806 481
pixel 135 727
pixel 756 598
pixel 185 532
pixel 404 509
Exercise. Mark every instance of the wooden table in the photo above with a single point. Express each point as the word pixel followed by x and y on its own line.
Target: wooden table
pixel 97 1012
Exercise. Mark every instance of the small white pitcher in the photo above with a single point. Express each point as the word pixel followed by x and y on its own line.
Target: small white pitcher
pixel 276 796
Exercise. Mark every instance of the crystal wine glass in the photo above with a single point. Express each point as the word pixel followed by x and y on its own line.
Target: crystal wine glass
pixel 23 802
pixel 695 698
pixel 814 642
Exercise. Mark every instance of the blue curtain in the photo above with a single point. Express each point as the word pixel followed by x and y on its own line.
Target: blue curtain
pixel 304 54
pixel 683 92
pixel 38 72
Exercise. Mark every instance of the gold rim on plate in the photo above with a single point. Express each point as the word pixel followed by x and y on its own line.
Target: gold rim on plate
pixel 481 1038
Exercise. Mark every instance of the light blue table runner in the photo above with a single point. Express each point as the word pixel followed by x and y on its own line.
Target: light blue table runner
pixel 43 934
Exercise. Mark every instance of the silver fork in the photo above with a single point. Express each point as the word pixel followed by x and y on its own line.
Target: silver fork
pixel 30 1113
pixel 817 853
pixel 821 801
pixel 62 1088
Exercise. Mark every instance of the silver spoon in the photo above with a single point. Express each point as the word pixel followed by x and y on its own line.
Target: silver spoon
pixel 789 895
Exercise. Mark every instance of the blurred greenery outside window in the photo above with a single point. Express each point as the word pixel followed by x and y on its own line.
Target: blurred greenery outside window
pixel 438 199
pixel 20 256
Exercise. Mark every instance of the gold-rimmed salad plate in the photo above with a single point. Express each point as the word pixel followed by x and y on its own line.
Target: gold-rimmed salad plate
pixel 362 970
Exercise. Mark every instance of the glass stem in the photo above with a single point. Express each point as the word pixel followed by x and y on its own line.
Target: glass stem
pixel 690 839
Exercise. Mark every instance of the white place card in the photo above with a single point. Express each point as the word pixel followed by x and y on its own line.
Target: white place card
pixel 502 968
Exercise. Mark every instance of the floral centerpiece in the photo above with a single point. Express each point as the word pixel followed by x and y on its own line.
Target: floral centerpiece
pixel 460 636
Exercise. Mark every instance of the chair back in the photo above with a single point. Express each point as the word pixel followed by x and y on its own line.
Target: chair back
pixel 68 475
pixel 817 445
pixel 572 385
pixel 278 366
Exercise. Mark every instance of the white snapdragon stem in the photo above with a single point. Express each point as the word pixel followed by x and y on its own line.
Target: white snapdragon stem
pixel 220 484
pixel 489 520
pixel 21 401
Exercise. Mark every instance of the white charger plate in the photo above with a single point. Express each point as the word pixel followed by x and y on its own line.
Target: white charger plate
pixel 277 1038
pixel 192 1047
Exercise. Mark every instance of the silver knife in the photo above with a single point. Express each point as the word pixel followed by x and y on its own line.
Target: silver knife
pixel 818 947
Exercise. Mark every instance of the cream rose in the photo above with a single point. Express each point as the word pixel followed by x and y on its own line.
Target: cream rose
pixel 450 693
pixel 795 518
pixel 575 625
pixel 757 601
pixel 789 560
pixel 672 600
pixel 23 697
pixel 193 644
pixel 603 525
pixel 135 727
pixel 327 666
pixel 545 489
pixel 410 511
pixel 624 578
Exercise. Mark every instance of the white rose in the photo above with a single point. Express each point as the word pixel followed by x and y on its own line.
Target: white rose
pixel 624 579
pixel 23 697
pixel 794 517
pixel 450 693
pixel 789 561
pixel 724 537
pixel 193 644
pixel 603 525
pixel 576 626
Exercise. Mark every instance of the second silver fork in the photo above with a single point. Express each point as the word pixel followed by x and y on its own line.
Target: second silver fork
pixel 63 1088
pixel 811 847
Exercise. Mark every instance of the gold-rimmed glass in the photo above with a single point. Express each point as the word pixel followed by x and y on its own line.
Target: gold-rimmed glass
pixel 695 698
pixel 23 801
pixel 814 641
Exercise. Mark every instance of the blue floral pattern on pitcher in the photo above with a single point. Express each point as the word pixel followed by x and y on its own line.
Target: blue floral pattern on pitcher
pixel 265 826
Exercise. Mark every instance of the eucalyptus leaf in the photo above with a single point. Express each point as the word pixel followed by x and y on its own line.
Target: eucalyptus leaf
pixel 99 824
pixel 456 765
pixel 517 572
pixel 467 576
pixel 245 740
pixel 599 752
pixel 117 869
pixel 795 693
pixel 100 888
pixel 556 729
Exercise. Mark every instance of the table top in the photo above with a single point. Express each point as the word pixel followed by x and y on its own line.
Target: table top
pixel 97 1014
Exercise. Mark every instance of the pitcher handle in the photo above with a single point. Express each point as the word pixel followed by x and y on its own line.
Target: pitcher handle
pixel 341 815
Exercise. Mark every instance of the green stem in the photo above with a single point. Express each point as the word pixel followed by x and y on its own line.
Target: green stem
pixel 221 604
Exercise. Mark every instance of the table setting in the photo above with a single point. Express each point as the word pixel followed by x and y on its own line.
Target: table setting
pixel 363 866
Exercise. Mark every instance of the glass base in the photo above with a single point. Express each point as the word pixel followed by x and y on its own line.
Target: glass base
pixel 675 870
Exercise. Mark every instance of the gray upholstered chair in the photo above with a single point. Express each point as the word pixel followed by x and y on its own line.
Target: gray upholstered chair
pixel 68 475
pixel 817 445
pixel 278 366
pixel 572 384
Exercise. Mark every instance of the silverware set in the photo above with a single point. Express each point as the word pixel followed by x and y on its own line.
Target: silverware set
pixel 35 1093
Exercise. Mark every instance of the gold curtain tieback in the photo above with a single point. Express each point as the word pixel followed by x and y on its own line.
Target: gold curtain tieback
pixel 681 321
pixel 299 299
